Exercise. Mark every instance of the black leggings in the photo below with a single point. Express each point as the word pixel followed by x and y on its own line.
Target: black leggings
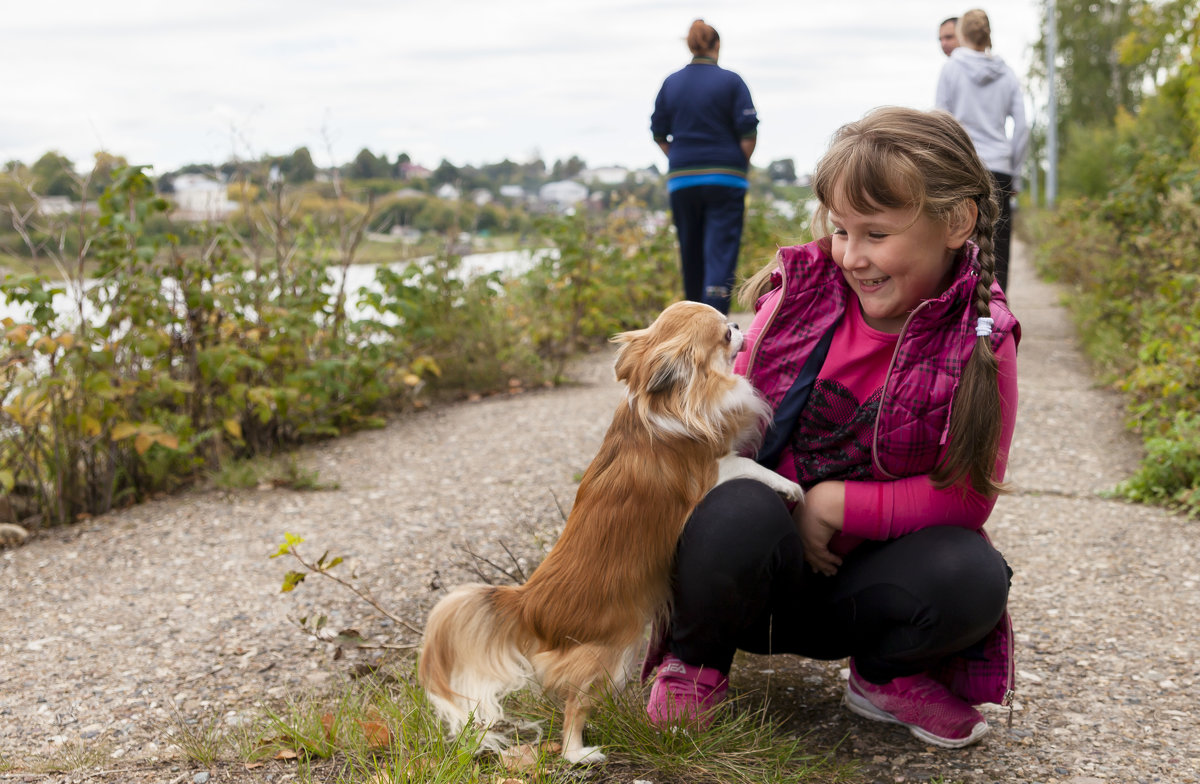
pixel 897 606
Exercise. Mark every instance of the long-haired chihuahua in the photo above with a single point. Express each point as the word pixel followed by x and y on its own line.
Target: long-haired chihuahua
pixel 575 624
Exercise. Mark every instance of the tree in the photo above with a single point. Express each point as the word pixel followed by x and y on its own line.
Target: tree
pixel 102 173
pixel 1112 56
pixel 54 175
pixel 782 170
pixel 446 172
pixel 1091 82
pixel 299 166
pixel 367 167
pixel 568 169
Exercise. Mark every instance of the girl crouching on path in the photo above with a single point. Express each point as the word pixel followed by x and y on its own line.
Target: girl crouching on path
pixel 888 355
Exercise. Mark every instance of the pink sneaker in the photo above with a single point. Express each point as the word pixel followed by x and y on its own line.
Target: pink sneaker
pixel 683 694
pixel 920 703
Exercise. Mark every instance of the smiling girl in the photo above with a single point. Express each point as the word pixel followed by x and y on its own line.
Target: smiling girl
pixel 888 355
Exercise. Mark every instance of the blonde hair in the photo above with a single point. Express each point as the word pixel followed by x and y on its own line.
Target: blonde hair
pixel 975 29
pixel 701 38
pixel 925 162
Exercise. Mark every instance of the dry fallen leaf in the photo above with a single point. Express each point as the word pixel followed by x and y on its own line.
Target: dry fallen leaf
pixel 253 765
pixel 520 759
pixel 287 754
pixel 327 724
pixel 377 733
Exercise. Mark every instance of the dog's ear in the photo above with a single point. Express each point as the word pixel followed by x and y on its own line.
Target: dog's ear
pixel 670 368
pixel 629 348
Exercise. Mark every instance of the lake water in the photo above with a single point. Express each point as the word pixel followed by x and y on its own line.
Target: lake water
pixel 357 276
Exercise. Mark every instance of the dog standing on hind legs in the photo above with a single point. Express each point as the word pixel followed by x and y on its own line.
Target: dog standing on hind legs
pixel 573 626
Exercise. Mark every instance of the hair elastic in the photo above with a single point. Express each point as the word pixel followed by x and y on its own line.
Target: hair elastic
pixel 983 326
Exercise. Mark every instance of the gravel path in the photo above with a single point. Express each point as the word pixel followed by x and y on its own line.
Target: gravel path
pixel 109 627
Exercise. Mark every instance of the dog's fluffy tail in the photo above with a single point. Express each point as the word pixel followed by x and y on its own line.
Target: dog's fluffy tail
pixel 472 658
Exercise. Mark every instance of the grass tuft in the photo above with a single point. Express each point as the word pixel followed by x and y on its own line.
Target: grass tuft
pixel 202 740
pixel 72 756
pixel 284 471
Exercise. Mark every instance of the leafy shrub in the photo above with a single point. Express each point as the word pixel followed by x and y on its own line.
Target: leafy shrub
pixel 1168 473
pixel 175 356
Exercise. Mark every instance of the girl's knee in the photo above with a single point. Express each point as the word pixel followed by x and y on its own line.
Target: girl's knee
pixel 741 509
pixel 738 521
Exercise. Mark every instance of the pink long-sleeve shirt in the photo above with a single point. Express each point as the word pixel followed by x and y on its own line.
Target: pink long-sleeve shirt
pixel 852 375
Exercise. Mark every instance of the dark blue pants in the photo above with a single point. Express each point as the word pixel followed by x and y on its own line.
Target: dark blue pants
pixel 708 221
pixel 1003 232
pixel 898 606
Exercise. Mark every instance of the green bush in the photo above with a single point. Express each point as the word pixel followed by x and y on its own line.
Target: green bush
pixel 198 356
pixel 1168 473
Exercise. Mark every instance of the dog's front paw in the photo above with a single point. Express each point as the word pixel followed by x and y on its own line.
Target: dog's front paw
pixel 790 491
pixel 784 487
pixel 586 755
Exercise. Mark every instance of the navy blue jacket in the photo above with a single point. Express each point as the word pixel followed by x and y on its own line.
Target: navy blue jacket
pixel 704 111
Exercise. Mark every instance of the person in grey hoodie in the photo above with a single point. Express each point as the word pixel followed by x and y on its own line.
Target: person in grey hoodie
pixel 982 93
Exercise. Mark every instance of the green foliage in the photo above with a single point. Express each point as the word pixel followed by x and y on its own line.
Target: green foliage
pixel 606 274
pixel 1092 82
pixel 199 355
pixel 1168 474
pixel 54 175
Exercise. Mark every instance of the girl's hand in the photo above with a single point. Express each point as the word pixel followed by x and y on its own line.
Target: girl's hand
pixel 819 517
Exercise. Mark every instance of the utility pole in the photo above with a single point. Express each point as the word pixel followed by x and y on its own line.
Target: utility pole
pixel 1052 106
pixel 1034 165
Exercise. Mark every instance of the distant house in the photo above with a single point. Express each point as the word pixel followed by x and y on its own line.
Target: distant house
pixel 563 194
pixel 448 192
pixel 605 175
pixel 410 193
pixel 198 197
pixel 55 205
pixel 406 234
pixel 512 192
pixel 481 196
pixel 411 171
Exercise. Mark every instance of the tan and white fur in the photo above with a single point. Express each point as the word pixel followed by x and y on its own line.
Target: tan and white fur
pixel 574 626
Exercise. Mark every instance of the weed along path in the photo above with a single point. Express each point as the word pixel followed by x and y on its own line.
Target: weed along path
pixel 123 635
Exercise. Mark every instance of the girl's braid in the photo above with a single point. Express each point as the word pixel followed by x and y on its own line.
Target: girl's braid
pixel 985 226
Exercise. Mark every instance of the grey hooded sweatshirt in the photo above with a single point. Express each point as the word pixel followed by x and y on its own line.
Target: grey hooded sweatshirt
pixel 982 92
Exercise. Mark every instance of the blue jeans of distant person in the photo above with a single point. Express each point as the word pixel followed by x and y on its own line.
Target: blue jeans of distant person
pixel 1003 231
pixel 708 221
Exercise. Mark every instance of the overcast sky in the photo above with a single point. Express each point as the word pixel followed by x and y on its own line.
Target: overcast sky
pixel 471 81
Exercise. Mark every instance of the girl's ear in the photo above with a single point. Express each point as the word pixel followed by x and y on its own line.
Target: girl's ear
pixel 962 225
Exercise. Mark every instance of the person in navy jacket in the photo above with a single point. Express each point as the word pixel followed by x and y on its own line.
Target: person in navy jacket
pixel 706 124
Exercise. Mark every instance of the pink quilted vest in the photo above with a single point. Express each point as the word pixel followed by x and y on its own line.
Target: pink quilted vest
pixel 809 295
pixel 808 298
